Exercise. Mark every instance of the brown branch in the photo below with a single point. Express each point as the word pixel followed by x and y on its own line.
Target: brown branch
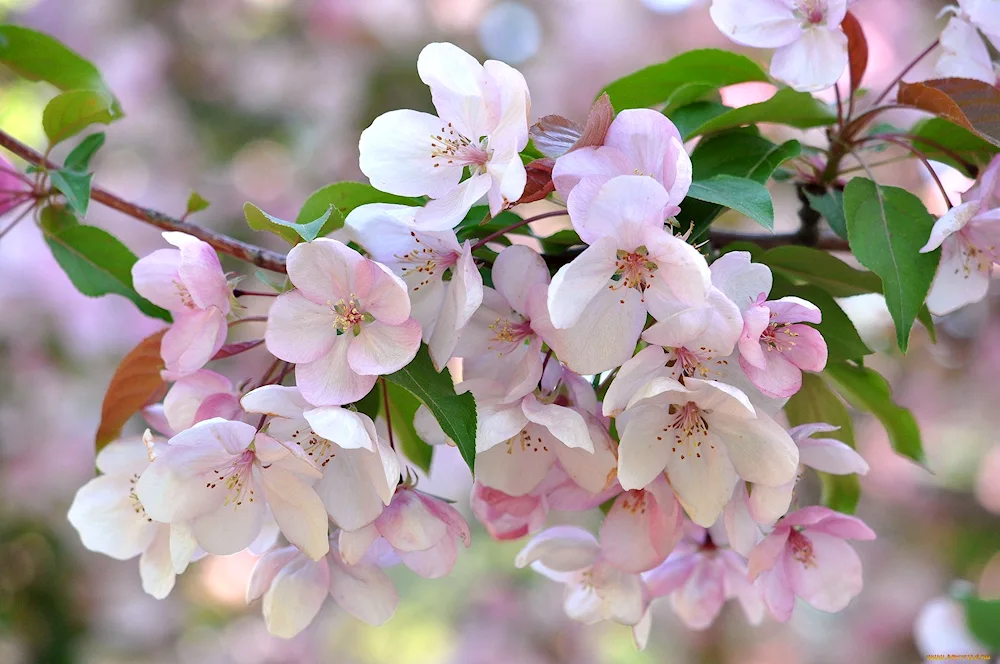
pixel 264 258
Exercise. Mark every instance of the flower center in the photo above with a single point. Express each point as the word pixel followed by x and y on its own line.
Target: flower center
pixel 349 315
pixel 690 429
pixel 236 479
pixel 778 337
pixel 693 363
pixel 812 12
pixel 633 269
pixel 978 258
pixel 802 548
pixel 526 443
pixel 422 264
pixel 317 448
pixel 507 334
pixel 635 502
pixel 133 499
pixel 451 148
pixel 185 295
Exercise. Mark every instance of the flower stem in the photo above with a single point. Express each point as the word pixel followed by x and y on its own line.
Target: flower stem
pixel 906 70
pixel 388 418
pixel 516 225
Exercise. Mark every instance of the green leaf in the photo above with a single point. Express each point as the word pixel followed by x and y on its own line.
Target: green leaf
pixel 983 619
pixel 98 264
pixel 344 197
pixel 690 117
pixel 196 203
pixel 787 107
pixel 830 204
pixel 79 158
pixel 937 137
pixel 291 232
pixel 867 390
pixel 559 241
pixel 741 194
pixel 815 402
pixel 54 219
pixel 886 227
pixel 822 269
pixel 684 78
pixel 39 57
pixel 402 407
pixel 75 186
pixel 473 228
pixel 842 339
pixel 456 413
pixel 71 112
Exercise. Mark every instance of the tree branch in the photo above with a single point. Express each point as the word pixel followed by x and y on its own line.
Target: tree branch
pixel 264 258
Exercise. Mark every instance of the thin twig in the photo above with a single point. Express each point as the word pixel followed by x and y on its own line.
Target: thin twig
pixel 17 220
pixel 919 155
pixel 840 106
pixel 264 258
pixel 516 225
pixel 906 70
pixel 388 418
pixel 249 319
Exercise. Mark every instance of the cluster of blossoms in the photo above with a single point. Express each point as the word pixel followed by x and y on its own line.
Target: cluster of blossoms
pixel 638 377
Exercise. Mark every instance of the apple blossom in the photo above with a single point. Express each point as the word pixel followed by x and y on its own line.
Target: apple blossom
pixel 347 321
pixel 294 588
pixel 638 142
pixel 631 255
pixel 811 46
pixel 111 519
pixel 200 396
pixel 222 476
pixel 424 532
pixel 482 125
pixel 700 576
pixel 969 238
pixel 189 283
pixel 360 471
pixel 421 259
pixel 642 527
pixel 806 555
pixel 706 436
pixel 596 590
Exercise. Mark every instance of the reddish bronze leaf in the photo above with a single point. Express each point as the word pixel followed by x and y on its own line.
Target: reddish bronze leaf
pixel 136 383
pixel 971 104
pixel 857 49
pixel 554 135
pixel 236 348
pixel 598 121
pixel 539 184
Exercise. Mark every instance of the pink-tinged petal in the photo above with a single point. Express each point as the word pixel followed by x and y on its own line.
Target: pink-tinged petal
pixel 157 279
pixel 155 568
pixel 231 527
pixel 638 533
pixel 462 299
pixel 716 325
pixel 758 23
pixel 843 526
pixel 808 516
pixel 201 271
pixel 561 549
pixel 386 232
pixel 408 525
pixel 593 470
pixel 642 630
pixel 174 488
pixel 344 427
pixel 384 349
pixel 330 380
pixel 794 310
pixel 736 585
pixel 323 270
pixel 625 207
pixel 698 602
pixel 397 155
pixel 577 283
pixel 755 320
pixel 126 456
pixel 288 456
pixel 363 590
pixel 295 596
pixel 702 477
pixel 646 137
pixel 671 575
pixel 603 338
pixel 505 87
pixel 719 398
pixel 298 511
pixel 519 465
pixel 454 78
pixel 565 424
pixel 647 364
pixel 599 164
pixel 830 577
pixel 107 520
pixel 740 280
pixel 803 431
pixel 957 282
pixel 185 397
pixel 266 568
pixel 776 589
pixel 347 489
pixel 644 448
pixel 964 53
pixel 298 329
pixel 831 456
pixel 741 529
pixel 778 378
pixel 813 62
pixel 498 424
pixel 457 526
pixel 192 340
pixel 950 223
pixel 276 401
pixel 507 517
pixel 767 553
pixel 516 271
pixel 621 594
pixel 678 172
pixel 509 179
pixel 386 297
pixel 225 406
pixel 433 563
pixel 760 449
pixel 767 504
pixel 681 270
pixel 447 211
pixel 353 545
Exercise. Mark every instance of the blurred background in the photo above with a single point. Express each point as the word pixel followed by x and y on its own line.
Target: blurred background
pixel 263 100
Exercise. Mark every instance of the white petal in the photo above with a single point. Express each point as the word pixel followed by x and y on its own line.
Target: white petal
pixel 155 567
pixel 814 61
pixel 567 425
pixel 740 280
pixel 276 401
pixel 560 548
pixel 497 424
pixel 230 528
pixel 644 447
pixel 703 478
pixel 108 521
pixel 759 23
pixel 298 510
pixel 454 78
pixel 464 295
pixel 396 155
pixel 576 284
pixel 647 364
pixel 761 450
pixel 266 568
pixel 447 210
pixel 344 427
pixel 353 545
pixel 363 590
pixel 295 596
pixel 516 271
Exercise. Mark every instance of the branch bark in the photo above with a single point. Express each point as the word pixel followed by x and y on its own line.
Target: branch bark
pixel 264 258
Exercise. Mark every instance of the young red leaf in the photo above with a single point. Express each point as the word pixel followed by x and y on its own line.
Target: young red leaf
pixel 136 383
pixel 857 49
pixel 971 104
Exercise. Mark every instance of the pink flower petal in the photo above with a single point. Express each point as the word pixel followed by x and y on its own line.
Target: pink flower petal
pixel 298 329
pixel 383 349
